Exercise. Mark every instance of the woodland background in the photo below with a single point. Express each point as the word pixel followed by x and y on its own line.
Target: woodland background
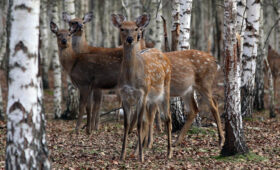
pixel 102 148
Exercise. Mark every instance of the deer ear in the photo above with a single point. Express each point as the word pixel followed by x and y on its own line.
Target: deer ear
pixel 53 27
pixel 143 21
pixel 88 17
pixel 117 19
pixel 66 17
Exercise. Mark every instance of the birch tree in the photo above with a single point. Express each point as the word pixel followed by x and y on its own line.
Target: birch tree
pixel 56 67
pixel 72 100
pixel 26 139
pixel 44 43
pixel 235 142
pixel 259 80
pixel 176 106
pixel 185 24
pixel 249 56
pixel 3 33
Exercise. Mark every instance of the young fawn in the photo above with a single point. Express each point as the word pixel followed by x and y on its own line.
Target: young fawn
pixel 191 70
pixel 144 80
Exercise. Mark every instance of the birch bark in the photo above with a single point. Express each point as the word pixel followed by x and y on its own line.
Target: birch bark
pixel 250 51
pixel 56 67
pixel 72 100
pixel 26 139
pixel 235 142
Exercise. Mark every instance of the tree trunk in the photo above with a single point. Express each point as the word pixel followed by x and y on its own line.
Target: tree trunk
pixel 259 80
pixel 185 24
pixel 249 57
pixel 44 57
pixel 26 139
pixel 235 142
pixel 72 100
pixel 56 67
pixel 176 105
pixel 159 29
pixel 3 43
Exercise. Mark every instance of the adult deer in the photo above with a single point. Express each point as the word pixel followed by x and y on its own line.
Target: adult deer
pixel 89 73
pixel 191 70
pixel 100 79
pixel 144 79
pixel 80 45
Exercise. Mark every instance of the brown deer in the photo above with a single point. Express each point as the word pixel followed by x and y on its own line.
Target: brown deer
pixel 191 70
pixel 80 45
pixel 89 73
pixel 68 59
pixel 274 62
pixel 144 79
pixel 102 79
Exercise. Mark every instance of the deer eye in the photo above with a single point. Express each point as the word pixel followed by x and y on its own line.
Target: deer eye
pixel 136 29
pixel 122 29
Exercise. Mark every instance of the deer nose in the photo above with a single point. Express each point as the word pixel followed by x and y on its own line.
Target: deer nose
pixel 129 40
pixel 64 41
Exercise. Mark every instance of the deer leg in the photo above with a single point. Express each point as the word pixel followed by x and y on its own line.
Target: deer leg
pixel 214 109
pixel 151 116
pixel 119 106
pixel 81 110
pixel 97 96
pixel 164 108
pixel 89 114
pixel 133 122
pixel 127 112
pixel 158 122
pixel 275 90
pixel 140 108
pixel 188 100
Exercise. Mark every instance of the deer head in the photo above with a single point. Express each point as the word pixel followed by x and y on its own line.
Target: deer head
pixel 77 25
pixel 62 35
pixel 130 32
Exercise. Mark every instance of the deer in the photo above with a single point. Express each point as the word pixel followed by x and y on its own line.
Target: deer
pixel 68 60
pixel 80 45
pixel 144 80
pixel 274 62
pixel 191 70
pixel 90 73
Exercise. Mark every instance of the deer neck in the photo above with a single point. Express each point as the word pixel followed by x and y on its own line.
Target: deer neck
pixel 67 58
pixel 79 43
pixel 130 63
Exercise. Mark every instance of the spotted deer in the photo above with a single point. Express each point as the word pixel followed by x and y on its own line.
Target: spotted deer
pixel 90 73
pixel 191 70
pixel 144 80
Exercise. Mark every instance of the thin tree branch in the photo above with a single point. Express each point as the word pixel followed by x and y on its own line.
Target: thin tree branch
pixel 270 32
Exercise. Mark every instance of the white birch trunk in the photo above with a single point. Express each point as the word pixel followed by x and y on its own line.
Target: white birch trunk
pixel 185 24
pixel 235 142
pixel 175 22
pixel 249 56
pixel 26 140
pixel 56 67
pixel 72 100
pixel 259 91
pixel 44 43
pixel 176 107
pixel 241 23
pixel 159 35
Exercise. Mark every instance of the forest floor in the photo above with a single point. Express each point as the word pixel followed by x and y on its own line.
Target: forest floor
pixel 199 149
